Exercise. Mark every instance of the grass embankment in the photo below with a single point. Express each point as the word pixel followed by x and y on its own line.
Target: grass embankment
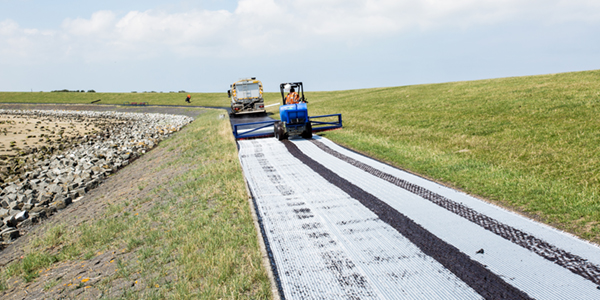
pixel 528 143
pixel 191 236
pixel 197 99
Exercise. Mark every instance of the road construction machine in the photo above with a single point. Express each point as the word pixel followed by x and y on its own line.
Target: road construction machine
pixel 246 96
pixel 294 119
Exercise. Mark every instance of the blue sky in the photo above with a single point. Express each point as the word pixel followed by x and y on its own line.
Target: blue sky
pixel 204 45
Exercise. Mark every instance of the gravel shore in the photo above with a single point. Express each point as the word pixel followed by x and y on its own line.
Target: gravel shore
pixel 42 179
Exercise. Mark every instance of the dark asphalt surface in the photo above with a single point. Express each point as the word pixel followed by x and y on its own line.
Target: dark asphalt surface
pixel 250 118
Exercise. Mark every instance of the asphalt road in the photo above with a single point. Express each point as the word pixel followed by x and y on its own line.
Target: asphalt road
pixel 190 111
pixel 249 119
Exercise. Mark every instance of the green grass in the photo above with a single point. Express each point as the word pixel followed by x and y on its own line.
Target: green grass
pixel 191 237
pixel 527 143
pixel 29 266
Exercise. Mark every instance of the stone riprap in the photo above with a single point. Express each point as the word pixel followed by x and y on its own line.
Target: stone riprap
pixel 39 181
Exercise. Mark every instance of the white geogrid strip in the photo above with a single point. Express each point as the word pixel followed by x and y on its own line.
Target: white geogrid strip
pixel 527 271
pixel 553 236
pixel 374 258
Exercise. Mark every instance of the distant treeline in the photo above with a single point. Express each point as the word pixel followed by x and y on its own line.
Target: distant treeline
pixel 182 91
pixel 75 91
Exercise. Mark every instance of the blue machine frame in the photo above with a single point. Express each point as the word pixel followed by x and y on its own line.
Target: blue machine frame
pixel 322 125
pixel 265 128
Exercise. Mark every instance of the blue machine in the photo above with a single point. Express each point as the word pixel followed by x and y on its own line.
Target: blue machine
pixel 294 119
pixel 294 122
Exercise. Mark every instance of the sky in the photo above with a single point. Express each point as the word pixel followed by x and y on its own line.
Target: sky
pixel 205 45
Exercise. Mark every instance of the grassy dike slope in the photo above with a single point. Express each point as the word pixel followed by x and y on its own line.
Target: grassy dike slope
pixel 182 230
pixel 198 99
pixel 527 143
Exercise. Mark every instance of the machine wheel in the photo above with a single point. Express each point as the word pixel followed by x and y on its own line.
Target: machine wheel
pixel 280 131
pixel 276 129
pixel 307 133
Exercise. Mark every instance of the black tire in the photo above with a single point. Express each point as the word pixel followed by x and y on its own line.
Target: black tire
pixel 276 129
pixel 280 133
pixel 307 133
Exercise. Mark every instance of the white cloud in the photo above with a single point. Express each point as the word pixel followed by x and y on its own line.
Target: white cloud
pixel 198 27
pixel 100 23
pixel 8 27
pixel 272 26
pixel 24 45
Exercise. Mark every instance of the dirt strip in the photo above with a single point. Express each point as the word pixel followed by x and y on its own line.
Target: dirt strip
pixel 473 273
pixel 576 264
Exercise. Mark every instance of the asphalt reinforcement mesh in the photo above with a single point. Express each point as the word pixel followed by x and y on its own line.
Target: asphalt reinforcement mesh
pixel 474 274
pixel 565 259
